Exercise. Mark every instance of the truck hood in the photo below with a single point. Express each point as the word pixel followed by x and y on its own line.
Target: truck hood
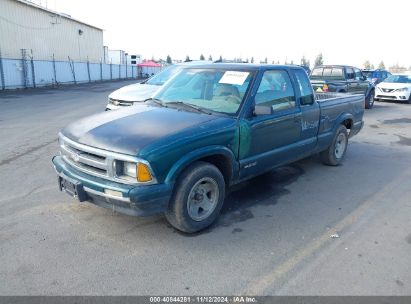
pixel 393 85
pixel 134 92
pixel 131 129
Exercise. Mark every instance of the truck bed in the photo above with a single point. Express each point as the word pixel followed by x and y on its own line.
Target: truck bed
pixel 333 105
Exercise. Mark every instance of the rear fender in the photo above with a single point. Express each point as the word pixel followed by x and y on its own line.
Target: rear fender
pixel 369 90
pixel 340 120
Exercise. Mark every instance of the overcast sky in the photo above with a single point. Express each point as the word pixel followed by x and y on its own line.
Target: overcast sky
pixel 345 31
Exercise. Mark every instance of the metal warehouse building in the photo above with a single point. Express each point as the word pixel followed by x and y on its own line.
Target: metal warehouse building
pixel 42 33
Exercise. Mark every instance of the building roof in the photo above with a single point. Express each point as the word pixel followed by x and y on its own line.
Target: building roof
pixel 34 5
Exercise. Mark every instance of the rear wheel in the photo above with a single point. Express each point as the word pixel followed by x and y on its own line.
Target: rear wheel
pixel 197 199
pixel 369 102
pixel 335 153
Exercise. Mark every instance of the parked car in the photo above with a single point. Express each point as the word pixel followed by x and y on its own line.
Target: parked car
pixel 395 87
pixel 375 76
pixel 138 92
pixel 208 128
pixel 343 79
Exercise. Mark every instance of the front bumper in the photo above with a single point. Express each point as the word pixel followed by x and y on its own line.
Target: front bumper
pixel 396 96
pixel 141 200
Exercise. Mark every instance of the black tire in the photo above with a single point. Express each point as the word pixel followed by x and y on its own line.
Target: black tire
pixel 194 180
pixel 335 153
pixel 369 101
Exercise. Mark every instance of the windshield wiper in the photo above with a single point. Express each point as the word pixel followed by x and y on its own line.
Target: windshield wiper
pixel 156 101
pixel 191 106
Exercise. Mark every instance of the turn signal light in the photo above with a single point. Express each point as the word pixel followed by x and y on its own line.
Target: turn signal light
pixel 143 173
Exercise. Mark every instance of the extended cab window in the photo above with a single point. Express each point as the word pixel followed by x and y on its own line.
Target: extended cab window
pixel 317 72
pixel 276 91
pixel 307 96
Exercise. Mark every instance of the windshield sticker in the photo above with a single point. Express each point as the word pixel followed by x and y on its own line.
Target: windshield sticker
pixel 234 77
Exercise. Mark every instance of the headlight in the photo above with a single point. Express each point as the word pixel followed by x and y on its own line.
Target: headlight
pixel 139 171
pixel 403 90
pixel 130 169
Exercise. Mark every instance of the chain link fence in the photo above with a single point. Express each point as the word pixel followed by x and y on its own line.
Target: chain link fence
pixel 29 73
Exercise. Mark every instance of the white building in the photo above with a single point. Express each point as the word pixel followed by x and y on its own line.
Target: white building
pixel 43 32
pixel 121 57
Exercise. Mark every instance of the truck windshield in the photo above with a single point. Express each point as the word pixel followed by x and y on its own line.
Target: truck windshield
pixel 216 90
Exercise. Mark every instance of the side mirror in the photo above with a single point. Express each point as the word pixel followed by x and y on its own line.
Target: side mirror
pixel 263 110
pixel 364 77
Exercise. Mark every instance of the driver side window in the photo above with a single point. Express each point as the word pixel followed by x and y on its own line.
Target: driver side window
pixel 350 73
pixel 358 74
pixel 276 91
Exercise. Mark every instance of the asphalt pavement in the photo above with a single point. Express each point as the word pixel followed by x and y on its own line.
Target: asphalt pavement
pixel 303 229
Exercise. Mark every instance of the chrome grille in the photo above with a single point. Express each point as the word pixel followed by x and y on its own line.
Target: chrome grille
pixel 84 159
pixel 96 162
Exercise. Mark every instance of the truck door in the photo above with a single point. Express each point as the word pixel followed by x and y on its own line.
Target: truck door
pixel 270 139
pixel 352 83
pixel 310 114
pixel 362 87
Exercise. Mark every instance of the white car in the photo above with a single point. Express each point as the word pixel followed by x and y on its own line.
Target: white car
pixel 138 92
pixel 395 87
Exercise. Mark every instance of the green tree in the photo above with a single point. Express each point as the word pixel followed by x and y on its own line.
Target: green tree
pixel 367 65
pixel 210 58
pixel 169 61
pixel 381 65
pixel 252 60
pixel 265 60
pixel 202 57
pixel 187 59
pixel 305 62
pixel 292 62
pixel 319 60
pixel 220 59
pixel 396 68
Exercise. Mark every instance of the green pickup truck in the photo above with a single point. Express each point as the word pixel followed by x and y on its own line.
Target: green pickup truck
pixel 343 79
pixel 208 128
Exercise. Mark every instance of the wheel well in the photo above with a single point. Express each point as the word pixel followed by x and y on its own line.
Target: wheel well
pixel 222 163
pixel 347 123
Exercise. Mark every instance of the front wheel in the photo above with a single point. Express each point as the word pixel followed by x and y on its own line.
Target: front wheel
pixel 369 102
pixel 335 153
pixel 197 199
